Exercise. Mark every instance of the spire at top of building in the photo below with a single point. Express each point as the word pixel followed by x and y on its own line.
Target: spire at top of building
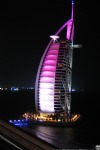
pixel 72 14
pixel 72 1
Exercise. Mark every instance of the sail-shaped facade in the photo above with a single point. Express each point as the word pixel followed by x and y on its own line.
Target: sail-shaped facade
pixel 54 75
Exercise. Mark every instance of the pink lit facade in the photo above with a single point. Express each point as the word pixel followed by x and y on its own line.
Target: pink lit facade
pixel 54 75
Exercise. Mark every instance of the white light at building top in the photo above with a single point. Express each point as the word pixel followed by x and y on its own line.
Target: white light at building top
pixel 54 37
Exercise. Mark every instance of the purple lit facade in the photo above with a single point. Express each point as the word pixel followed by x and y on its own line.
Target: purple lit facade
pixel 54 76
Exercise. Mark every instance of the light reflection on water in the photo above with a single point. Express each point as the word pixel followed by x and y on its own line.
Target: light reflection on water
pixel 21 124
pixel 55 136
pixel 63 137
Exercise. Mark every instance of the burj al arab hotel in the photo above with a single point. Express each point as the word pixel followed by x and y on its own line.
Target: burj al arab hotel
pixel 54 75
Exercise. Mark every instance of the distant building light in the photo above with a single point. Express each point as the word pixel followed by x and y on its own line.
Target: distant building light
pixel 31 88
pixel 73 90
pixel 14 89
pixel 10 120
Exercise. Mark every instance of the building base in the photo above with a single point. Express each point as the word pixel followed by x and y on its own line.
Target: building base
pixel 73 121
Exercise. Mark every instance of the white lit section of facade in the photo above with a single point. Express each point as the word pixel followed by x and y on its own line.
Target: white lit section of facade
pixel 46 81
pixel 53 84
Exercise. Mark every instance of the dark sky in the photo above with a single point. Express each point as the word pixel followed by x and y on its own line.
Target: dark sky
pixel 25 27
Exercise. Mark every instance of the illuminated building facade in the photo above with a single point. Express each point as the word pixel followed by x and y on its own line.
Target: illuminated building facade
pixel 54 75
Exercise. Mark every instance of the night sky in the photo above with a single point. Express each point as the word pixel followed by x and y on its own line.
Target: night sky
pixel 25 27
